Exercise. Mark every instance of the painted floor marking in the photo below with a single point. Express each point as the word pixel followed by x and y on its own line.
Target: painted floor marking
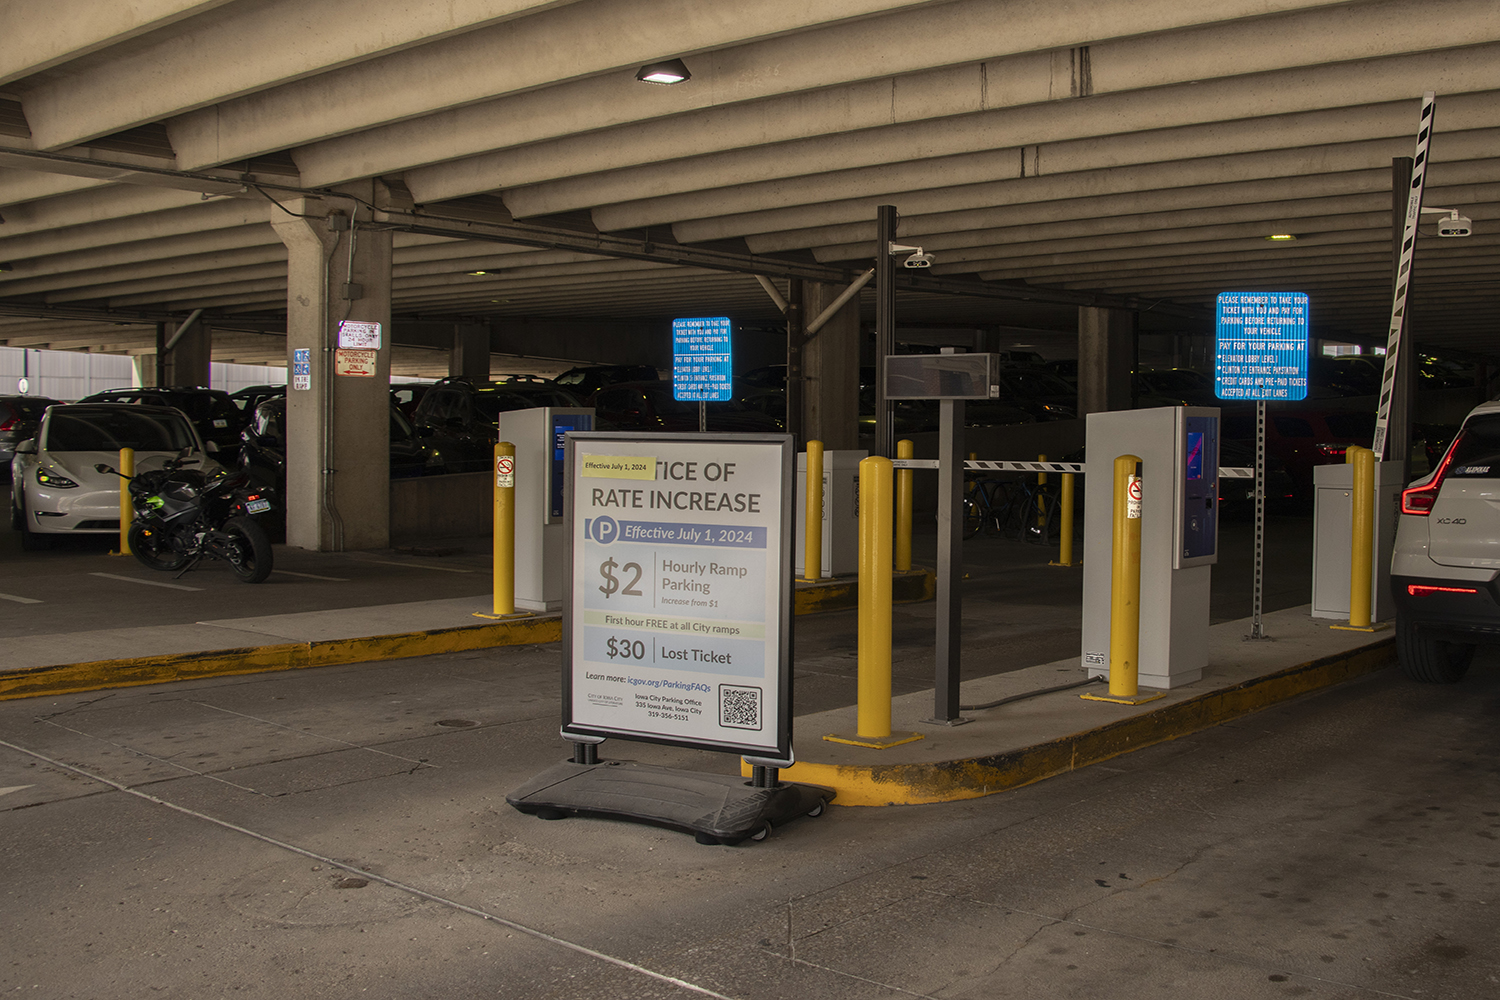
pixel 19 600
pixel 15 788
pixel 408 565
pixel 312 576
pixel 373 877
pixel 149 583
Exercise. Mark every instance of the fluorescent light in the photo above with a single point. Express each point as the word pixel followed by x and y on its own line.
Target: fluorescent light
pixel 669 72
pixel 1281 238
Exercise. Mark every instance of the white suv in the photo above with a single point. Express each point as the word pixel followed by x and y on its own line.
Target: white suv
pixel 1446 561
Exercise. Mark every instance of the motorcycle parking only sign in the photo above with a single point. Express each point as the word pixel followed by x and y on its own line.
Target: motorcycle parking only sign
pixel 678 608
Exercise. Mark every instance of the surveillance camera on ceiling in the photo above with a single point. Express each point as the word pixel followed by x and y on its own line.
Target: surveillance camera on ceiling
pixel 919 259
pixel 1455 225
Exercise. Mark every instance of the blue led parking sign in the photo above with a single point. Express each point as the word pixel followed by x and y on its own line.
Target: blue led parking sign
pixel 1261 342
pixel 702 359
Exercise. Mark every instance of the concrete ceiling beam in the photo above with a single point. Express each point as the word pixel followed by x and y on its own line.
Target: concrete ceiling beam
pixel 1213 60
pixel 19 186
pixel 170 285
pixel 1314 143
pixel 240 49
pixel 99 205
pixel 1390 82
pixel 218 214
pixel 203 298
pixel 165 249
pixel 578 40
pixel 179 265
pixel 39 36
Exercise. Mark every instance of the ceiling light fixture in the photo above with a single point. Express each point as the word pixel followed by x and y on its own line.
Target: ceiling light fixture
pixel 1281 238
pixel 669 72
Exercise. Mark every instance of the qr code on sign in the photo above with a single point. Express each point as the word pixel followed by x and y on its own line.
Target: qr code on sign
pixel 739 707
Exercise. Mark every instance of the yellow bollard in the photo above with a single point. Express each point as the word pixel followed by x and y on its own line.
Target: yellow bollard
pixel 812 540
pixel 1041 506
pixel 876 484
pixel 127 510
pixel 1065 522
pixel 505 535
pixel 904 449
pixel 1361 532
pixel 1125 589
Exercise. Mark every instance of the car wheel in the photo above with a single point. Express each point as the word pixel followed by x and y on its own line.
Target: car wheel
pixel 1429 660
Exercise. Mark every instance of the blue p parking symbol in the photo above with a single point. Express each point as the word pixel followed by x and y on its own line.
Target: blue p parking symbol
pixel 603 530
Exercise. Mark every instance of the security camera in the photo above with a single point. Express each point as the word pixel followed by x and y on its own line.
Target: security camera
pixel 917 258
pixel 1455 225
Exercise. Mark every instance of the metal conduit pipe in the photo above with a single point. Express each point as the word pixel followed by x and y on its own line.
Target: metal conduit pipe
pixel 839 303
pixel 772 291
pixel 186 325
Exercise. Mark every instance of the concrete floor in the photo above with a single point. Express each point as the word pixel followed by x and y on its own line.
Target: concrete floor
pixel 1343 845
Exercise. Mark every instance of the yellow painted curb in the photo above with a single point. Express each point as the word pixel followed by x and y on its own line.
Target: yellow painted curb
pixel 68 678
pixel 975 777
pixel 843 595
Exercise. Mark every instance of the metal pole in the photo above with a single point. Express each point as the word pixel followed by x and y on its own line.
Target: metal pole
pixel 702 416
pixel 505 528
pixel 1256 631
pixel 812 537
pixel 794 347
pixel 885 321
pixel 950 557
pixel 904 449
pixel 127 510
pixel 1125 582
pixel 875 482
pixel 1361 524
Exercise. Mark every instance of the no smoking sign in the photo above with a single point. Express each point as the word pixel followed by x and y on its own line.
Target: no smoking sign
pixel 505 472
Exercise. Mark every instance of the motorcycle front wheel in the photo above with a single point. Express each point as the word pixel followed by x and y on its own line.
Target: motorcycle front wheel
pixel 153 550
pixel 254 549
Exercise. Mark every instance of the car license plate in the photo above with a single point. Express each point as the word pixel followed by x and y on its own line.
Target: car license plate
pixel 257 506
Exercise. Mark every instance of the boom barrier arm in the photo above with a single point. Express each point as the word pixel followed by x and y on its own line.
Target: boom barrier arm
pixel 1074 467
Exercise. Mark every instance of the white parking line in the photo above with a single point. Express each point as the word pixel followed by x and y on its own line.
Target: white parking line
pixel 149 583
pixel 311 576
pixel 440 569
pixel 19 600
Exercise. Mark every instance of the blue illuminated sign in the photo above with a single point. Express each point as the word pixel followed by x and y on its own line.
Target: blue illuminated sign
pixel 1261 345
pixel 702 359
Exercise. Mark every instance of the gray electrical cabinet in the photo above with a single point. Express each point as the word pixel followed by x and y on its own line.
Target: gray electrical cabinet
pixel 541 475
pixel 840 513
pixel 1179 451
pixel 1333 542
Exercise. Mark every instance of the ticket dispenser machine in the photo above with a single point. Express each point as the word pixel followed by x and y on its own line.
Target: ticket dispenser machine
pixel 540 476
pixel 840 514
pixel 1179 451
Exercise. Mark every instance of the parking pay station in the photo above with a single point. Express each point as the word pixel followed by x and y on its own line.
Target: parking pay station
pixel 540 478
pixel 1179 451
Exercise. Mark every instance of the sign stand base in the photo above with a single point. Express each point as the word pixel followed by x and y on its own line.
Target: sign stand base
pixel 715 808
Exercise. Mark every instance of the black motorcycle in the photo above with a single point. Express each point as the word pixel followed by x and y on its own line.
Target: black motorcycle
pixel 183 515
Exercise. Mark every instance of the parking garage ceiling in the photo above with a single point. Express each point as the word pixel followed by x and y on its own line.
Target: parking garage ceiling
pixel 1047 152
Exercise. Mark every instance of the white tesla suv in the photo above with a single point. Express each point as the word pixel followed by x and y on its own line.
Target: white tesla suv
pixel 1446 561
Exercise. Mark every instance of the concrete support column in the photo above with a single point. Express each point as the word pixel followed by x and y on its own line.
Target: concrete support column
pixel 188 360
pixel 338 428
pixel 471 351
pixel 830 366
pixel 1106 349
pixel 145 369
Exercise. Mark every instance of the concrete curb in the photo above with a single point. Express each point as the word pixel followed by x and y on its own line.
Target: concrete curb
pixel 974 777
pixel 70 678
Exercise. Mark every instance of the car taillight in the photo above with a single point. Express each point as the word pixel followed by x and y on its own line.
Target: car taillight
pixel 9 424
pixel 1333 450
pixel 1418 500
pixel 1422 590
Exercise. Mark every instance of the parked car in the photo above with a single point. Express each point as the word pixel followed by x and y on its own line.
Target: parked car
pixel 406 396
pixel 1038 392
pixel 212 412
pixel 1175 387
pixel 57 490
pixel 586 380
pixel 1445 567
pixel 19 418
pixel 1299 439
pixel 248 398
pixel 650 406
pixel 460 416
pixel 263 446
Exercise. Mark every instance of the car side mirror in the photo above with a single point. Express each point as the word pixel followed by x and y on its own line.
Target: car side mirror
pixel 27 447
pixel 104 469
pixel 212 447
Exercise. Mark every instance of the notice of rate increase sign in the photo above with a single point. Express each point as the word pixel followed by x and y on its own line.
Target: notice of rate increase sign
pixel 677 611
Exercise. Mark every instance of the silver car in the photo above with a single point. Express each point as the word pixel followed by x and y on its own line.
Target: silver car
pixel 56 489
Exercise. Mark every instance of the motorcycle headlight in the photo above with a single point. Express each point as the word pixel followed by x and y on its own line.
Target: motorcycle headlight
pixel 53 480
